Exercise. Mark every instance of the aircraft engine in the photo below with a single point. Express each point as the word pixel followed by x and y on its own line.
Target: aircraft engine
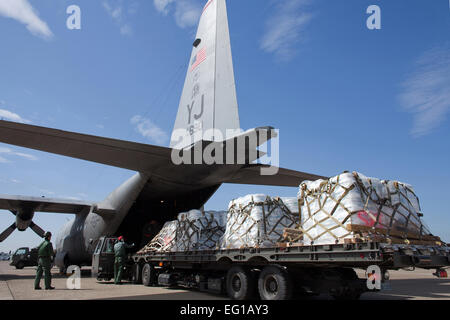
pixel 23 221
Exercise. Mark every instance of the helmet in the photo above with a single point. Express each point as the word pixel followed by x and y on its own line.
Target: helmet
pixel 120 238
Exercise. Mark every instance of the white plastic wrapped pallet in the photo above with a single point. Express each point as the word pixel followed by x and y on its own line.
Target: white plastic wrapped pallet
pixel 193 230
pixel 199 231
pixel 164 240
pixel 329 208
pixel 257 220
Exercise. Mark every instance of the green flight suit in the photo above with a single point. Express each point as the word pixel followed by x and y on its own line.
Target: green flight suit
pixel 120 257
pixel 45 254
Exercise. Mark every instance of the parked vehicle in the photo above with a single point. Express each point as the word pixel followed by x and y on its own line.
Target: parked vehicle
pixel 24 257
pixel 4 256
pixel 103 261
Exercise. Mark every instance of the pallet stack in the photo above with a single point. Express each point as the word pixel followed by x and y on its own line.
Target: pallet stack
pixel 164 241
pixel 257 220
pixel 199 230
pixel 351 207
pixel 193 230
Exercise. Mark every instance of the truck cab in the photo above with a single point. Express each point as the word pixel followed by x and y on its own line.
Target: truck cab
pixel 103 260
pixel 24 257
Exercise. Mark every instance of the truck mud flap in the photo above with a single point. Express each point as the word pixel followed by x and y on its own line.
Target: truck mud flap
pixel 166 279
pixel 426 262
pixel 431 261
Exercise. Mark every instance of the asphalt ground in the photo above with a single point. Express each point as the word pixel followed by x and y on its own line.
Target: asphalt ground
pixel 18 285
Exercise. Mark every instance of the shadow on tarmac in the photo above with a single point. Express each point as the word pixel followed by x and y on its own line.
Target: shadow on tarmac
pixel 401 289
pixel 55 275
pixel 188 295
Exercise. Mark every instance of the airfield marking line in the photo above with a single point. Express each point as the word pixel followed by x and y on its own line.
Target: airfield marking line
pixel 10 291
pixel 5 294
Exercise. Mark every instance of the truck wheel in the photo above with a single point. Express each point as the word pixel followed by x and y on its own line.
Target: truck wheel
pixel 274 283
pixel 347 292
pixel 20 265
pixel 137 273
pixel 66 263
pixel 148 275
pixel 240 283
pixel 348 274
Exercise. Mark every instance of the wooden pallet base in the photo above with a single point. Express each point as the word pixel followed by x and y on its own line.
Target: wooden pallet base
pixel 293 237
pixel 391 233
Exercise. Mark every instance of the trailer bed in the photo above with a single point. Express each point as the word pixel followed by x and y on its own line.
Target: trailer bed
pixel 356 255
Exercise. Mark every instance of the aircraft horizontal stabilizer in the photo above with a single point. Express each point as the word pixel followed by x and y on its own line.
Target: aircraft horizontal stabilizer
pixel 284 177
pixel 139 157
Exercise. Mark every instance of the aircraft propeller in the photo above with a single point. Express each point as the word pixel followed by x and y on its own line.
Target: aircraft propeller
pixel 7 232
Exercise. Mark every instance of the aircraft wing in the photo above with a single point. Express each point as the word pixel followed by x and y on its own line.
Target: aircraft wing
pixel 16 203
pixel 118 153
pixel 131 155
pixel 285 177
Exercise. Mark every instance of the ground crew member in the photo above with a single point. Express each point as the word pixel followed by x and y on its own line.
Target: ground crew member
pixel 120 255
pixel 45 255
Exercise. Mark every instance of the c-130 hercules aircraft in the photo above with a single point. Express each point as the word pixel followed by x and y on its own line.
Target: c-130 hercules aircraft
pixel 160 189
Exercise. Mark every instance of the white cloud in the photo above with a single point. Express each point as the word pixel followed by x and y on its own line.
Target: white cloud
pixel 10 152
pixel 149 130
pixel 22 11
pixel 11 116
pixel 48 192
pixel 286 28
pixel 426 92
pixel 126 30
pixel 187 12
pixel 71 198
pixel 114 12
pixel 118 13
pixel 162 5
pixel 25 155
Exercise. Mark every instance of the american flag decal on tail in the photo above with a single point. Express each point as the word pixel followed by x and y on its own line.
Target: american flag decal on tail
pixel 207 5
pixel 199 58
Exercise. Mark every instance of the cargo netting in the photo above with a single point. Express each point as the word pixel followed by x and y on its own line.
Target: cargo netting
pixel 164 241
pixel 259 221
pixel 193 230
pixel 351 206
pixel 200 231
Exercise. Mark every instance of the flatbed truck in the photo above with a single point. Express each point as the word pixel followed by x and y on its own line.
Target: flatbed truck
pixel 276 273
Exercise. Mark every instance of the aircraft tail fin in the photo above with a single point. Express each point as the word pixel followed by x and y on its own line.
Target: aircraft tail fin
pixel 208 105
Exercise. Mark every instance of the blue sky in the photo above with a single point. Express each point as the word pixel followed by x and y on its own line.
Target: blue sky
pixel 344 97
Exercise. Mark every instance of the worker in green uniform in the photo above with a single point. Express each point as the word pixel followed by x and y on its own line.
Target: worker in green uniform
pixel 120 256
pixel 45 255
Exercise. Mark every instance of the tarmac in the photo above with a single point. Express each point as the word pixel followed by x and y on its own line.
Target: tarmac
pixel 18 285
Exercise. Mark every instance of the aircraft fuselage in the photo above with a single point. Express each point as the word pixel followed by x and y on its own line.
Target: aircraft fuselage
pixel 137 211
